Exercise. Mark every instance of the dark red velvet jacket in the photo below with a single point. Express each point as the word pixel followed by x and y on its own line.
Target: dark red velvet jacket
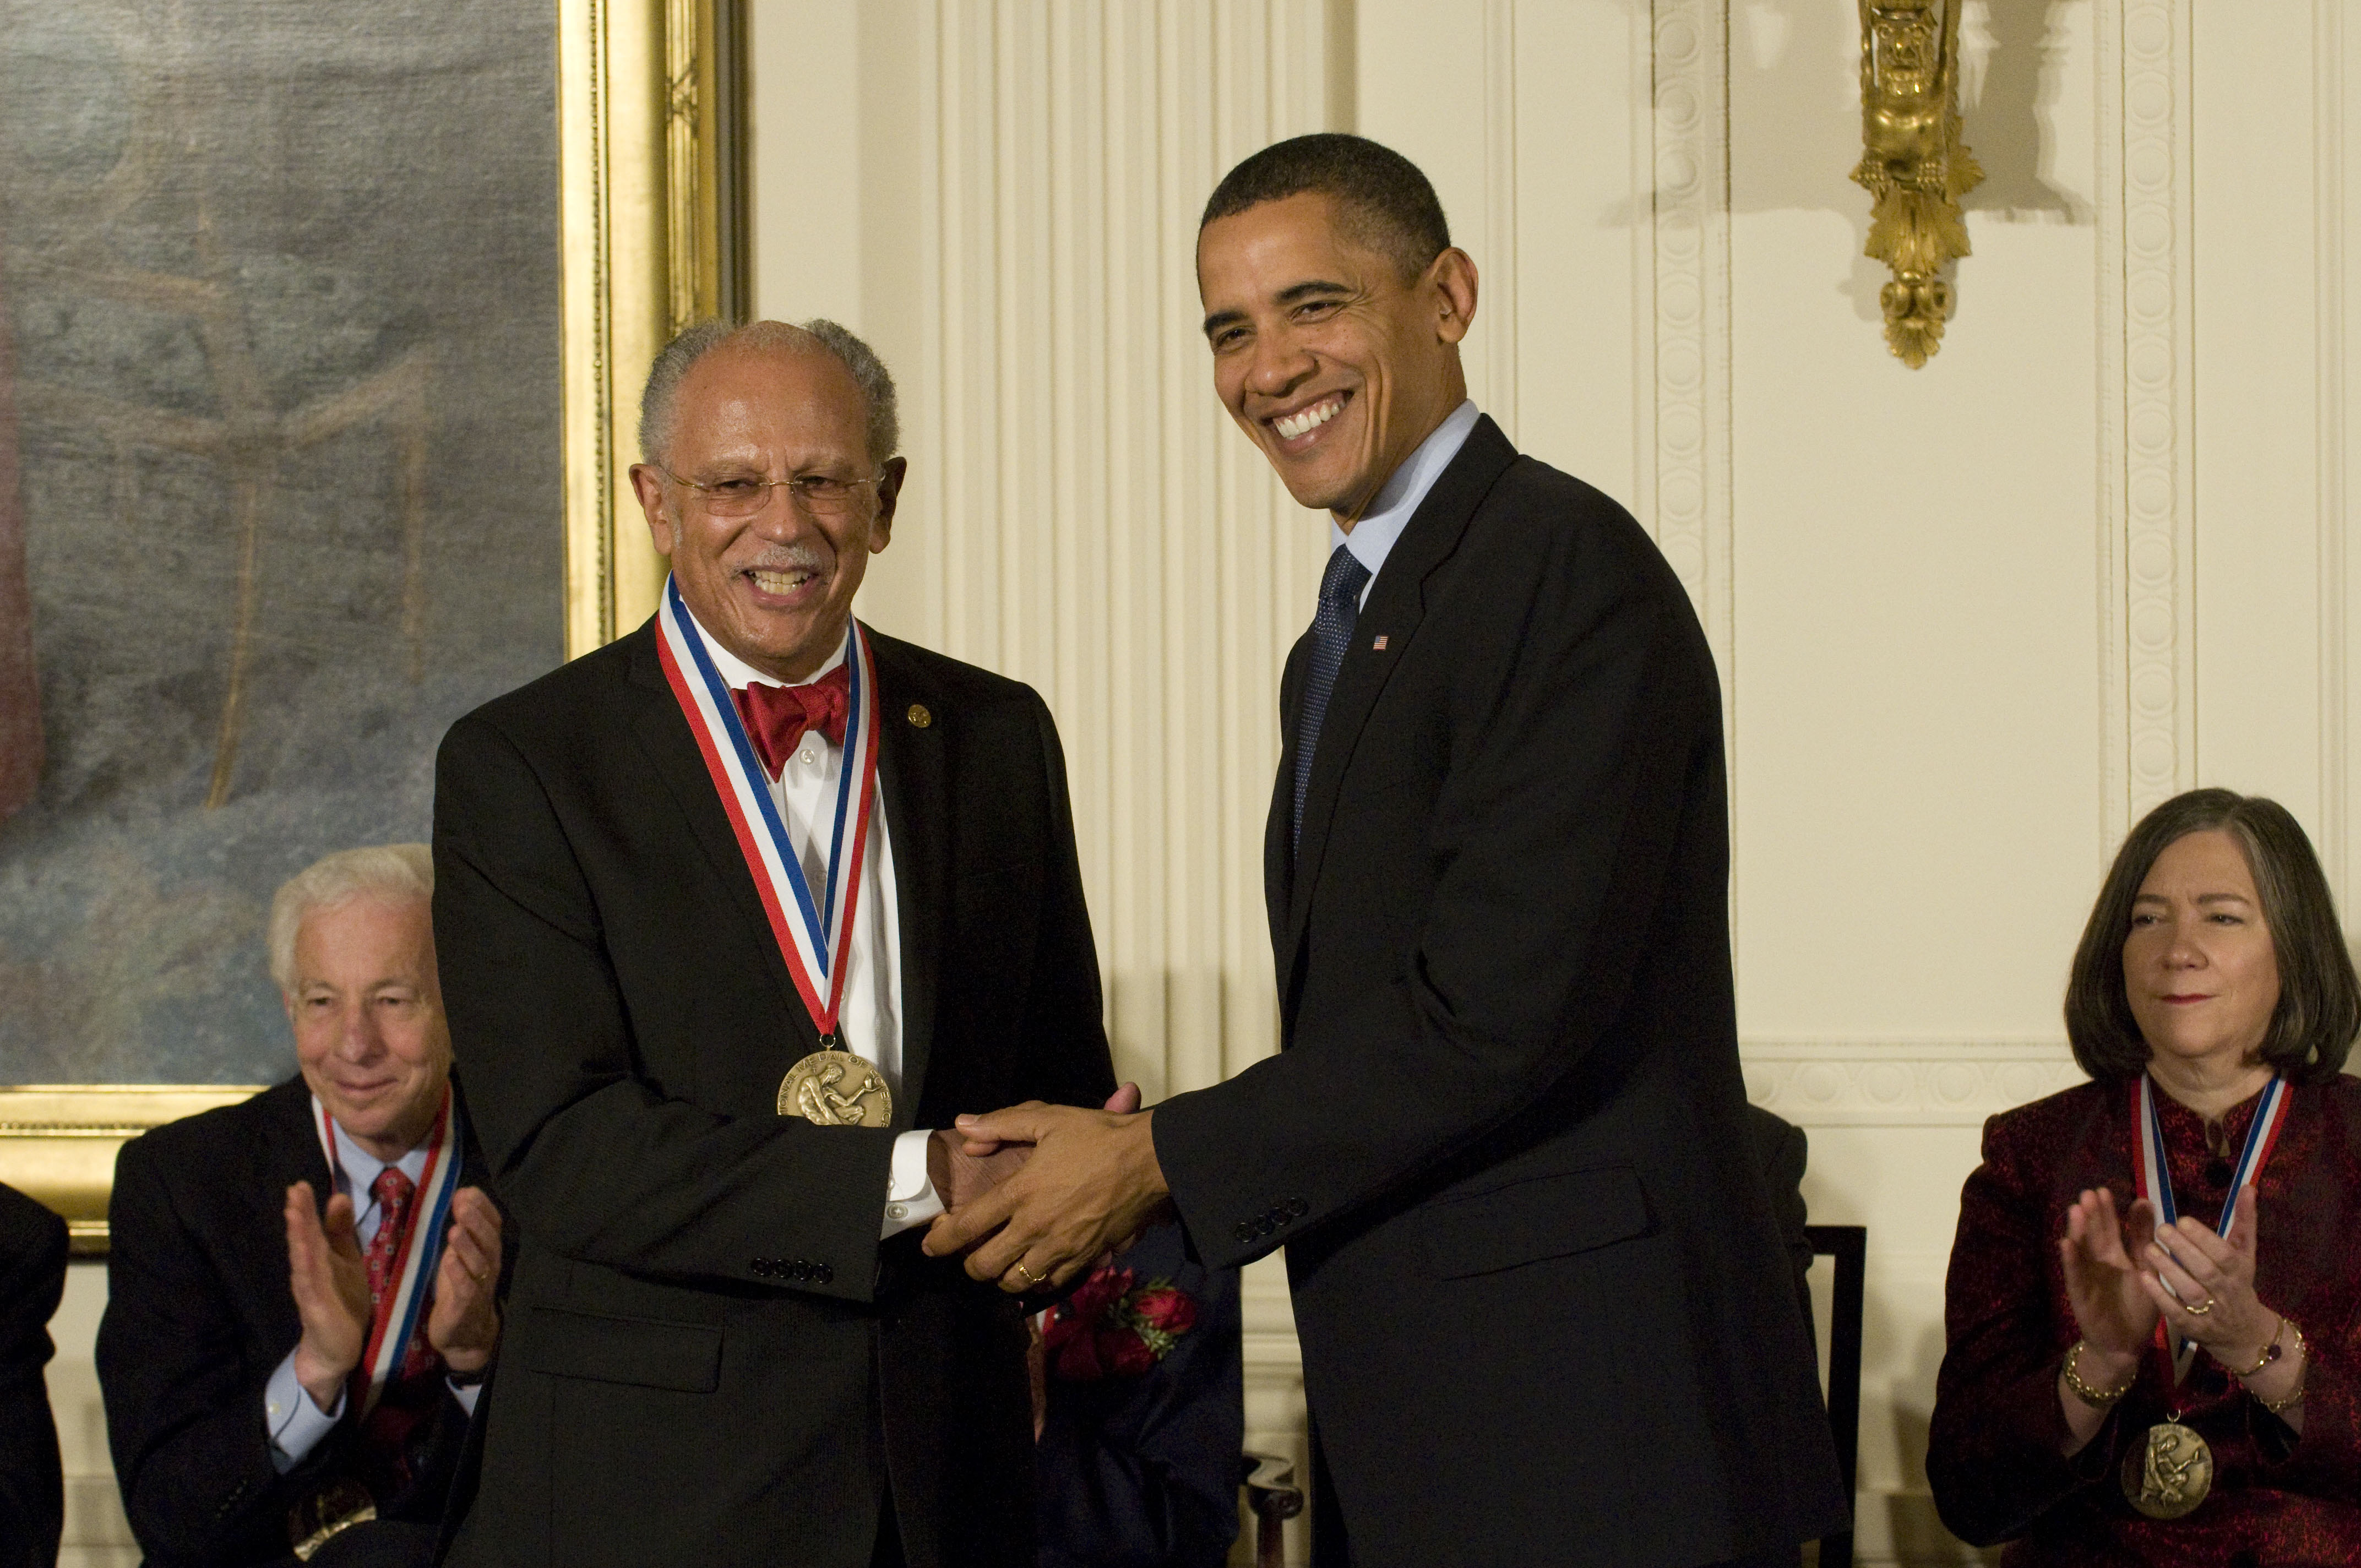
pixel 1993 1451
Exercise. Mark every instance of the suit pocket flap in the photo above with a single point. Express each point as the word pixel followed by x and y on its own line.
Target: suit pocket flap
pixel 644 1350
pixel 1545 1216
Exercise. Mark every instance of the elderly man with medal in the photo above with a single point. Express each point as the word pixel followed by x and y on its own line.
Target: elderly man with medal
pixel 2154 1301
pixel 734 913
pixel 302 1288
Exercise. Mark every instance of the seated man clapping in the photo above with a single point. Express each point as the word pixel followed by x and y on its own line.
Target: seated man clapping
pixel 302 1288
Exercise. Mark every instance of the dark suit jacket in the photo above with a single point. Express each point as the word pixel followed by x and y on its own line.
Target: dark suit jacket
pixel 709 1357
pixel 198 1317
pixel 32 1278
pixel 1780 1153
pixel 1543 1309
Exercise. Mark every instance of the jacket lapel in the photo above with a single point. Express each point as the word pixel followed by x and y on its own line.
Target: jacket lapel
pixel 1396 605
pixel 294 1142
pixel 663 737
pixel 914 780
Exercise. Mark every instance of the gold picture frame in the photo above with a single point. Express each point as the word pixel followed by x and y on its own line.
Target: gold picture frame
pixel 651 174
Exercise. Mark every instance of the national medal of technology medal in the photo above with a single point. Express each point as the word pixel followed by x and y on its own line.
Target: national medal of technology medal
pixel 2170 1473
pixel 832 1087
pixel 327 1514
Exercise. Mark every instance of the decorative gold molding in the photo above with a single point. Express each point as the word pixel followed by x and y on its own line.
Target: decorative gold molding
pixel 1913 163
pixel 647 122
pixel 58 1142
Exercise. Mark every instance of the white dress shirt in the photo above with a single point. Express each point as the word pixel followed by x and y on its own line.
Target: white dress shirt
pixel 869 1017
pixel 295 1423
pixel 1372 539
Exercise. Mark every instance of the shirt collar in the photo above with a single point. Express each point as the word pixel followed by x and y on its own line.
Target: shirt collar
pixel 1372 539
pixel 738 675
pixel 358 1167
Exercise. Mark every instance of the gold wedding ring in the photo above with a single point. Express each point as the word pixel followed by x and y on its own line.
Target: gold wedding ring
pixel 2201 1308
pixel 1030 1278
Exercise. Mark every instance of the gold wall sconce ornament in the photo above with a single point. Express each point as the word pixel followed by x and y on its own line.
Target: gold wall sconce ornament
pixel 1912 163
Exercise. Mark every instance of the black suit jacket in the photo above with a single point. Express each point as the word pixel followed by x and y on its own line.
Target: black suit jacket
pixel 199 1315
pixel 32 1278
pixel 1542 1304
pixel 709 1355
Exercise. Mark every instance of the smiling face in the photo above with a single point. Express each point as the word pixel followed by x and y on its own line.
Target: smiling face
pixel 367 1013
pixel 1325 355
pixel 2201 971
pixel 777 588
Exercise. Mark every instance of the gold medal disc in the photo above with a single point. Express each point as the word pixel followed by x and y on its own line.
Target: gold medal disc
pixel 836 1089
pixel 2168 1475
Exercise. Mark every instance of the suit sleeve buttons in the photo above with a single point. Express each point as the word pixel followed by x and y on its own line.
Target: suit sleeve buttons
pixel 1244 1230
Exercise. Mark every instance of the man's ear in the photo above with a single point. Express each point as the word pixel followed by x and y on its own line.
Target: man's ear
pixel 647 483
pixel 1451 281
pixel 889 495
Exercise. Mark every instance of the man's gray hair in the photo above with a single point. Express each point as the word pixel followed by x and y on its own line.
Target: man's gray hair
pixel 395 872
pixel 693 343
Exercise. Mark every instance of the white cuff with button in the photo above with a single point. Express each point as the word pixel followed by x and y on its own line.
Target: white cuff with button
pixel 910 1196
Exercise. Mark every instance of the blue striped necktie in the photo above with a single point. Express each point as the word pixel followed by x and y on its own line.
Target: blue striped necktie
pixel 1332 628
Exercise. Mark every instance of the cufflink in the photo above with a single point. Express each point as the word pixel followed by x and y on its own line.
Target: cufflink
pixel 897 1211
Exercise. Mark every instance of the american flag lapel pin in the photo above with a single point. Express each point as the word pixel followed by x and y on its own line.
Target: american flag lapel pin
pixel 1379 645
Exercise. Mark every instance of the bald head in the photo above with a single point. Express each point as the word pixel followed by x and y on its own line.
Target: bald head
pixel 818 335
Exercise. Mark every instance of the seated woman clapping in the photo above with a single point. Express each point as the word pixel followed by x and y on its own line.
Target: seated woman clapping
pixel 2152 1336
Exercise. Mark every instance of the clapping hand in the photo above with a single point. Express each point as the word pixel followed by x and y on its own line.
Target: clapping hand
pixel 2204 1285
pixel 464 1325
pixel 330 1289
pixel 2111 1297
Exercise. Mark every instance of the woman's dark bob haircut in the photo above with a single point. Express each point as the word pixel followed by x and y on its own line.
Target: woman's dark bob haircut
pixel 2320 1001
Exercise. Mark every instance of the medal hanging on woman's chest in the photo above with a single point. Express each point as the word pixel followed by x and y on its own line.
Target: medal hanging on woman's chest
pixel 2170 1470
pixel 832 1086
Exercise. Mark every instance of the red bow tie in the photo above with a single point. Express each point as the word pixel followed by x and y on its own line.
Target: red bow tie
pixel 777 716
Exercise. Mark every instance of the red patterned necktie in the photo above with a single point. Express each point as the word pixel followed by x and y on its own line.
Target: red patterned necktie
pixel 385 1435
pixel 777 716
pixel 394 1193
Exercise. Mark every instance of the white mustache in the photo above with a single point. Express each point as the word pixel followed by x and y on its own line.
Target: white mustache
pixel 797 557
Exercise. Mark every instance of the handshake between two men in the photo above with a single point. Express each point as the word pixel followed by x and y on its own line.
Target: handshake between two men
pixel 1035 1194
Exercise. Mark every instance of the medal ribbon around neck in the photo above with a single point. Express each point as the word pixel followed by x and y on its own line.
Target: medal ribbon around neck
pixel 415 1259
pixel 814 934
pixel 2156 1181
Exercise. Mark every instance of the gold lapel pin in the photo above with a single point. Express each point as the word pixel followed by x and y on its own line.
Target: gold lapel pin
pixel 919 715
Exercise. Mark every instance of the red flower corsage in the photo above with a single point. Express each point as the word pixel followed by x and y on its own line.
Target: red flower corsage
pixel 1108 1328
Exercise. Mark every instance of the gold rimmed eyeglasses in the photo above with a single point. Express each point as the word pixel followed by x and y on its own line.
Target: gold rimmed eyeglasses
pixel 819 495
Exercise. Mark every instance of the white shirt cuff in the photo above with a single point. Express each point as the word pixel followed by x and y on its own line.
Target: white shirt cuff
pixel 296 1425
pixel 910 1196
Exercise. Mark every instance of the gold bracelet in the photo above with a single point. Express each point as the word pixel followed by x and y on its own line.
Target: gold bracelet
pixel 2295 1396
pixel 2270 1351
pixel 2097 1399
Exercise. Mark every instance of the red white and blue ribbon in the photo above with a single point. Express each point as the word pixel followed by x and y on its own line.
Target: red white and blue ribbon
pixel 2155 1180
pixel 813 934
pixel 411 1278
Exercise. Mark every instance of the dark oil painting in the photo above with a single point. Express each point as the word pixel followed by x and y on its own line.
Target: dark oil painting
pixel 280 479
